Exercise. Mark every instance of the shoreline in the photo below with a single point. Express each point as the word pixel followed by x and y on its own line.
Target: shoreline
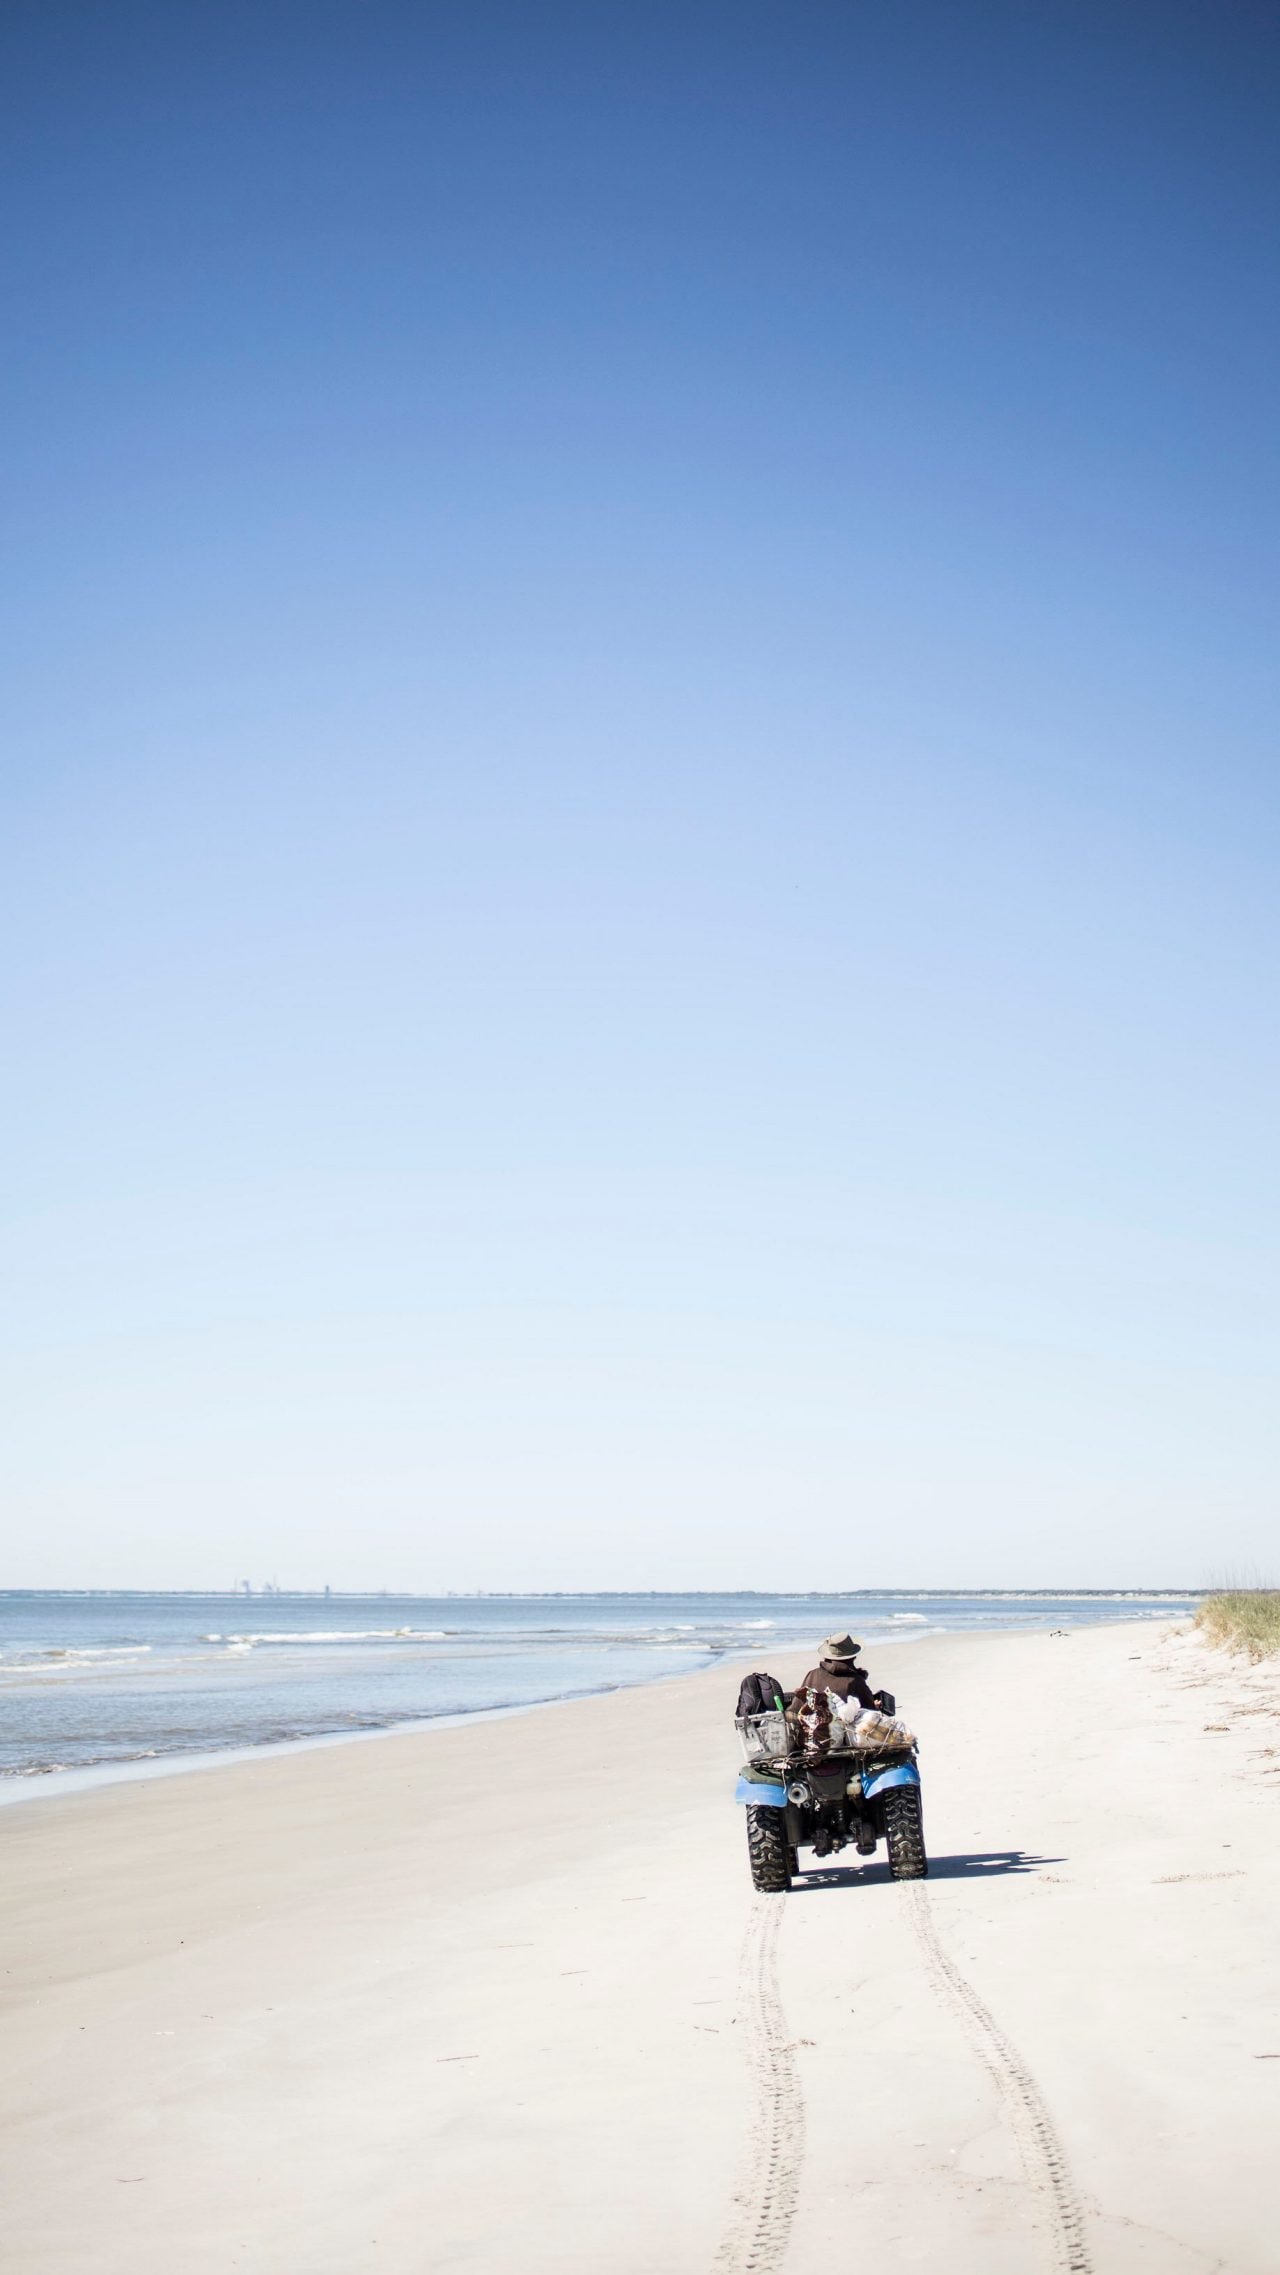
pixel 37 1782
pixel 33 1785
pixel 17 1786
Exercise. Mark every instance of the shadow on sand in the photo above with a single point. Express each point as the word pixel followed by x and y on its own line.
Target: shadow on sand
pixel 991 1864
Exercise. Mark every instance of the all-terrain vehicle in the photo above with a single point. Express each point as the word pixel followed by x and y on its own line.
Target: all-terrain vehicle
pixel 801 1794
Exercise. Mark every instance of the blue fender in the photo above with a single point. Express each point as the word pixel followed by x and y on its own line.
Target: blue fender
pixel 760 1796
pixel 904 1773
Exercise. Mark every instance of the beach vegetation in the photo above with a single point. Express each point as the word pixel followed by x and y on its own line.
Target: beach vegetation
pixel 1243 1619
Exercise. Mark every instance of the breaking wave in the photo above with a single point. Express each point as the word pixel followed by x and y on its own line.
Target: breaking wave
pixel 333 1635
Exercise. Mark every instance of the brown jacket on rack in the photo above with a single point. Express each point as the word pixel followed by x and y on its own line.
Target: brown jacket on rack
pixel 841 1676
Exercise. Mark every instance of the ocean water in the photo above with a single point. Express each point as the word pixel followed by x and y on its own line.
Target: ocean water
pixel 95 1679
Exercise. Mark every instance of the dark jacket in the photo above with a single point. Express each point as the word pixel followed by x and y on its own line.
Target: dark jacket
pixel 845 1680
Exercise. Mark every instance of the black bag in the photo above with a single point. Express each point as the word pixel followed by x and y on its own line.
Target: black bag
pixel 760 1694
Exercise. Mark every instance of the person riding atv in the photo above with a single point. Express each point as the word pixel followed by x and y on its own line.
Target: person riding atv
pixel 838 1671
pixel 812 1778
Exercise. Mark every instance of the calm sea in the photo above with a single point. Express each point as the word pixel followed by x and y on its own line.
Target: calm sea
pixel 93 1679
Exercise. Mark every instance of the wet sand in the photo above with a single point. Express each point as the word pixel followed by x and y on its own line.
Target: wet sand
pixel 502 1996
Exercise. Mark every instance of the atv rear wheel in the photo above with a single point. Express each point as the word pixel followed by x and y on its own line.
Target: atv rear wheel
pixel 767 1851
pixel 904 1833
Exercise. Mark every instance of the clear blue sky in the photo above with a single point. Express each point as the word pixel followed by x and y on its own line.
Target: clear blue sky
pixel 640 795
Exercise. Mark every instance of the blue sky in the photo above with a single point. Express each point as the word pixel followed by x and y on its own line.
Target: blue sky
pixel 639 810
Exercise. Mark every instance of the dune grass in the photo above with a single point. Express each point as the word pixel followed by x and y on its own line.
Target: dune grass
pixel 1244 1619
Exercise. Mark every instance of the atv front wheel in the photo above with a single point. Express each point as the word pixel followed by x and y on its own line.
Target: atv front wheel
pixel 904 1833
pixel 767 1851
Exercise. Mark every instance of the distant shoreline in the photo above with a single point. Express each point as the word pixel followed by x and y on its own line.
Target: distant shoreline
pixel 623 1595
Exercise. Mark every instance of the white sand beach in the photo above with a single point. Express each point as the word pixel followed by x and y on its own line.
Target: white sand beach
pixel 502 1996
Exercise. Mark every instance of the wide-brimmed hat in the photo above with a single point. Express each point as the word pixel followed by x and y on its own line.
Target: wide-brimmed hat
pixel 840 1647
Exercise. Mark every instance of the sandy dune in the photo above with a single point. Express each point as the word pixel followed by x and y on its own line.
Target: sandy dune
pixel 502 1996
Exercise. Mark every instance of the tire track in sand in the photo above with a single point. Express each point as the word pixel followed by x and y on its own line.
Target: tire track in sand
pixel 1044 2162
pixel 766 2199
